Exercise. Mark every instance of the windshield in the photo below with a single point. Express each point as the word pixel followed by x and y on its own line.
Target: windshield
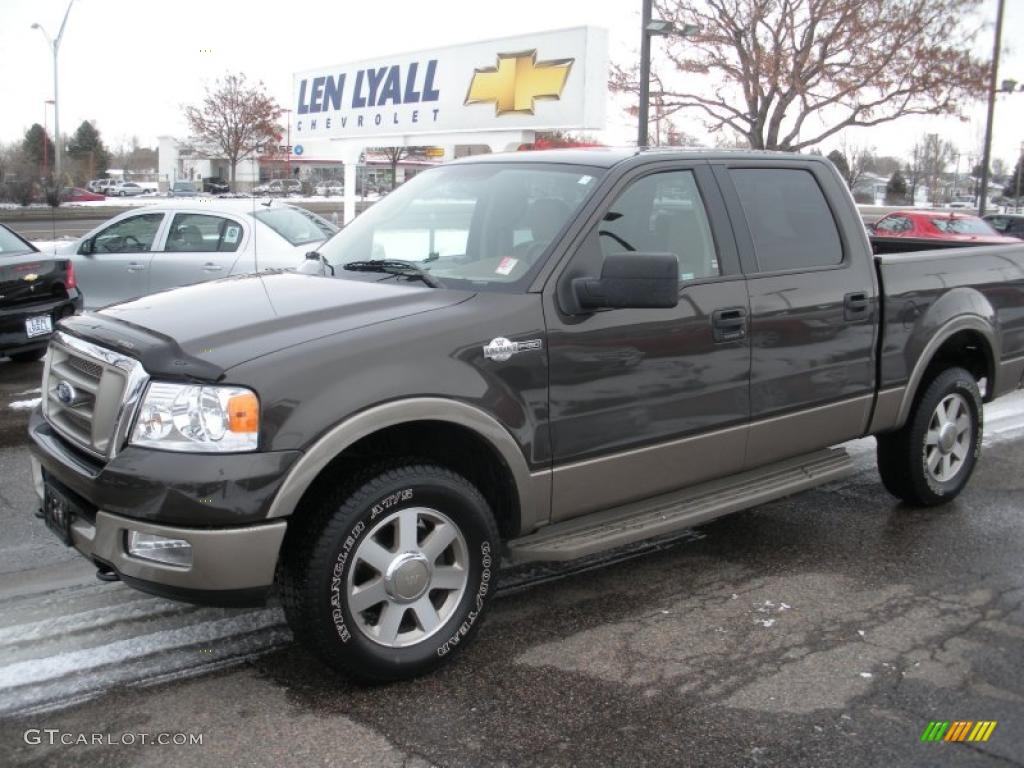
pixel 476 226
pixel 11 244
pixel 294 226
pixel 963 226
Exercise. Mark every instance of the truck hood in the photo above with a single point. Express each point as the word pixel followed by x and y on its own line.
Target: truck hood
pixel 200 331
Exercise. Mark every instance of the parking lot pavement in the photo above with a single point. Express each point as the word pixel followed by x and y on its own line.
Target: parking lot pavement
pixel 825 629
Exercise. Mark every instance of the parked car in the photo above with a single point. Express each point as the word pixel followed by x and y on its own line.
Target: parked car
pixel 79 195
pixel 279 187
pixel 513 358
pixel 930 226
pixel 175 243
pixel 1007 224
pixel 125 189
pixel 183 189
pixel 329 188
pixel 215 186
pixel 104 186
pixel 36 291
pixel 96 185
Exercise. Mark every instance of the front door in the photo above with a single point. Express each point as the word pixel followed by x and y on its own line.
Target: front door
pixel 113 265
pixel 645 401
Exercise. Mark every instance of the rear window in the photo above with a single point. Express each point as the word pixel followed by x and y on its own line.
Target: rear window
pixel 293 226
pixel 11 244
pixel 962 226
pixel 790 222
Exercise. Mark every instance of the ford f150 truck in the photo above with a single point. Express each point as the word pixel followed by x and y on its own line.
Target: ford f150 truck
pixel 536 356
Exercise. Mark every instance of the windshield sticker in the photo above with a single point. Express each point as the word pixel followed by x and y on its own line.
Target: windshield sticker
pixel 231 235
pixel 506 265
pixel 585 180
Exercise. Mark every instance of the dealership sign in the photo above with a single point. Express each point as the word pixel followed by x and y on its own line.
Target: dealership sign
pixel 533 82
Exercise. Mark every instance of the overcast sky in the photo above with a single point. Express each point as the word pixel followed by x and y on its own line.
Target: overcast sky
pixel 130 64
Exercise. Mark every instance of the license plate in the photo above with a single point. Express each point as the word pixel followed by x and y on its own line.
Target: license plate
pixel 40 325
pixel 57 513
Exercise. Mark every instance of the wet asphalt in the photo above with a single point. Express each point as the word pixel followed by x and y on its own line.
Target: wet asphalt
pixel 827 629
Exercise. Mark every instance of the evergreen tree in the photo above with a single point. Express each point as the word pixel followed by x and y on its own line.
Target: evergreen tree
pixel 32 147
pixel 88 153
pixel 1015 182
pixel 839 161
pixel 896 189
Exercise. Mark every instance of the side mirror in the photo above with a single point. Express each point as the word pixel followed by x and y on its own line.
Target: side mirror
pixel 631 281
pixel 87 246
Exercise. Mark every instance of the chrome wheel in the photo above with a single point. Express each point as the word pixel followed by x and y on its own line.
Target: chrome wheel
pixel 408 576
pixel 948 439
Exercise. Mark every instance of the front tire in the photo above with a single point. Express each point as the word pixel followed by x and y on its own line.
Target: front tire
pixel 388 579
pixel 930 459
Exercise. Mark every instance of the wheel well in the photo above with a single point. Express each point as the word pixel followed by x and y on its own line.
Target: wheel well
pixel 458 448
pixel 964 349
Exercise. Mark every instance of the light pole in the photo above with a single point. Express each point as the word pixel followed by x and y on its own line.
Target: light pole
pixel 54 44
pixel 649 28
pixel 1020 163
pixel 987 153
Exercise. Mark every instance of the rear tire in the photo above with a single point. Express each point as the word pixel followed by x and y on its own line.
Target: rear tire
pixel 388 578
pixel 930 459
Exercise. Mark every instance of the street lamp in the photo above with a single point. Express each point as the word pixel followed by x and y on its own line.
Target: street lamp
pixel 46 154
pixel 55 47
pixel 649 28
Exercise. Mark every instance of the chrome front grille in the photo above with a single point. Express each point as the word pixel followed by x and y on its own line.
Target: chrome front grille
pixel 90 393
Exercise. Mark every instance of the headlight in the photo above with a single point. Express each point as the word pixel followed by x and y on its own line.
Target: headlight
pixel 197 418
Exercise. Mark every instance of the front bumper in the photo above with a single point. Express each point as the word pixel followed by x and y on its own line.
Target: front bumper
pixel 230 566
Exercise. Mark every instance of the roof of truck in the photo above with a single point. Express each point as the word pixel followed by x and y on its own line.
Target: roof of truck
pixel 606 157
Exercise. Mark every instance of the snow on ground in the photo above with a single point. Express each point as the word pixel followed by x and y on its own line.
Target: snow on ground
pixel 24 405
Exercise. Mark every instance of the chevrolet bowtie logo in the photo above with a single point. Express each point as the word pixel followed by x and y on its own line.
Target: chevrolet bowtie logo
pixel 517 81
pixel 31 277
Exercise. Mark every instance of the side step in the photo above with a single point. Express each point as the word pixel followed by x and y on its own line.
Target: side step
pixel 630 523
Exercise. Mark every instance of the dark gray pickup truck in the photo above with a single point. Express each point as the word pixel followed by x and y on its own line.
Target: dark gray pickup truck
pixel 537 356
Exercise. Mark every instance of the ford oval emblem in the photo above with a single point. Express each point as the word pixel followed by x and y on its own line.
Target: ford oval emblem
pixel 66 393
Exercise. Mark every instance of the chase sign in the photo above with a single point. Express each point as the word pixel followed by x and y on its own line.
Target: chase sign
pixel 534 82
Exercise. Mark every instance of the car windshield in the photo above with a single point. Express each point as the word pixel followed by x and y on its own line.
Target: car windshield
pixel 963 226
pixel 474 226
pixel 294 226
pixel 11 244
pixel 184 187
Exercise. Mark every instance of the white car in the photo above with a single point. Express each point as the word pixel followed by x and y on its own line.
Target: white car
pixel 177 243
pixel 125 189
pixel 329 188
pixel 279 187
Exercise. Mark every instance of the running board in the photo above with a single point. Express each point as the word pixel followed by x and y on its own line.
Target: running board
pixel 630 523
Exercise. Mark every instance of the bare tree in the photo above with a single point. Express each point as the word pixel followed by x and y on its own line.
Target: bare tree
pixel 859 159
pixel 235 118
pixel 932 155
pixel 787 74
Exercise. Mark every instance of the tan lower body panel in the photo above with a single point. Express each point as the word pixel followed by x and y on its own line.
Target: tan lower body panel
pixel 793 434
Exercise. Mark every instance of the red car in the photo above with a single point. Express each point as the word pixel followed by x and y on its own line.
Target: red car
pixel 79 195
pixel 931 225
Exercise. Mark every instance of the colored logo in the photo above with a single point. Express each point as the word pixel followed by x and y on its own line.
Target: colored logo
pixel 518 81
pixel 958 730
pixel 297 149
pixel 31 277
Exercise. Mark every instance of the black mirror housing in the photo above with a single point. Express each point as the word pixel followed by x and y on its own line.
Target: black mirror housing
pixel 631 281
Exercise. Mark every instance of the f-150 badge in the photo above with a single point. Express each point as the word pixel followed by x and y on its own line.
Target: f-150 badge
pixel 501 349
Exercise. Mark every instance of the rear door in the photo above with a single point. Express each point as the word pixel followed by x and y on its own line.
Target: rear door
pixel 113 265
pixel 645 401
pixel 813 305
pixel 198 247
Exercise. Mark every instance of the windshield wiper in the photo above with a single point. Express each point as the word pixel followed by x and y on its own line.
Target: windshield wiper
pixel 393 267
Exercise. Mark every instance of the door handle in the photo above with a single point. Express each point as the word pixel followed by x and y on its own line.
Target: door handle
pixel 729 324
pixel 211 267
pixel 855 305
pixel 135 266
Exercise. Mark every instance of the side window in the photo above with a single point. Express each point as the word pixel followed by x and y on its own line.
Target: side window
pixel 999 223
pixel 663 213
pixel 790 222
pixel 893 224
pixel 132 235
pixel 197 232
